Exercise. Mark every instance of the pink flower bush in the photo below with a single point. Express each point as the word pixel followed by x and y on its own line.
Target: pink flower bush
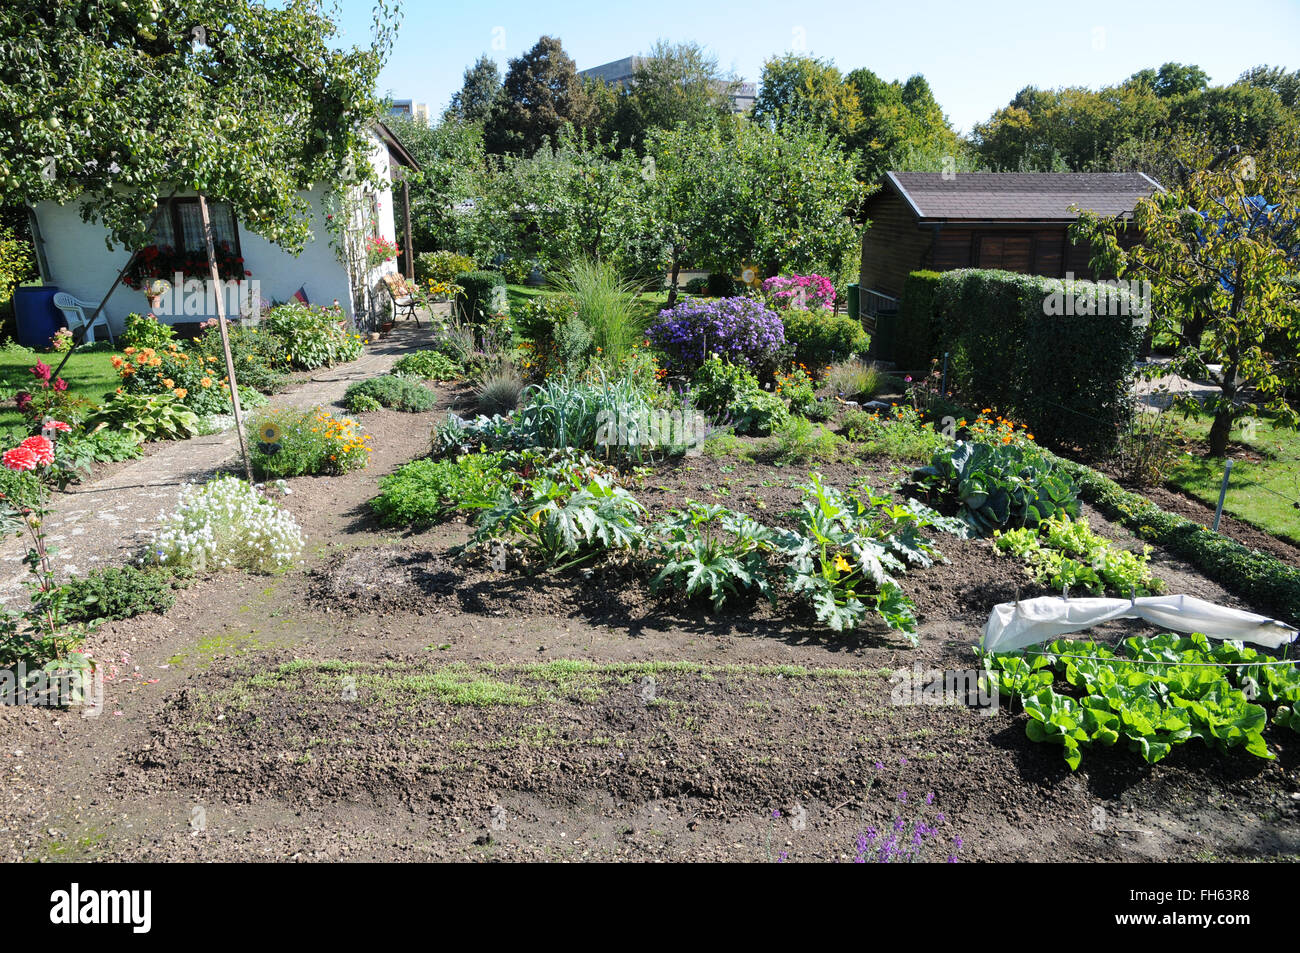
pixel 800 292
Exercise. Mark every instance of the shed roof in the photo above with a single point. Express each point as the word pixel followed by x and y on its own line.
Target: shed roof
pixel 1019 196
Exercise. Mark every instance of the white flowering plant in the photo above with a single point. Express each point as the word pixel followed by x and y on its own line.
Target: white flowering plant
pixel 227 523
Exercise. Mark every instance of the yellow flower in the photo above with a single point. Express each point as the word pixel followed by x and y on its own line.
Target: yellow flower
pixel 841 563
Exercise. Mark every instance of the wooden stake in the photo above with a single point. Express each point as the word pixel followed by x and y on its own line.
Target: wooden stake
pixel 225 336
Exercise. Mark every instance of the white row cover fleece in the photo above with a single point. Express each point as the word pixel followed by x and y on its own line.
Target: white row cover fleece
pixel 1014 625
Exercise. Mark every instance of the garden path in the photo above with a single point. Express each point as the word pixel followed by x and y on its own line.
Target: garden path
pixel 104 521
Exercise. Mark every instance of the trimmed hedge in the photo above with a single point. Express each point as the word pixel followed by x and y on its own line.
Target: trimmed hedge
pixel 1012 347
pixel 1255 575
pixel 484 292
pixel 916 340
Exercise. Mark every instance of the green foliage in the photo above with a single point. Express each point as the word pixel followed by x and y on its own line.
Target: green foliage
pixel 1006 333
pixel 821 337
pixel 674 85
pixel 802 91
pixel 499 391
pixel 1217 262
pixel 300 442
pixel 441 265
pixel 1160 692
pixel 429 365
pixel 312 337
pixel 607 306
pixel 731 393
pixel 148 416
pixel 903 436
pixel 799 441
pixel 107 594
pixel 390 390
pixel 916 340
pixel 711 551
pixel 429 491
pixel 479 90
pixel 483 293
pixel 541 93
pixel 269 107
pixel 261 359
pixel 997 485
pixel 1064 552
pixel 1260 577
pixel 853 380
pixel 17 263
pixel 146 331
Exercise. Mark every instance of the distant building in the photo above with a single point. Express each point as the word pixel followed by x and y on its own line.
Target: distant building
pixel 620 72
pixel 409 107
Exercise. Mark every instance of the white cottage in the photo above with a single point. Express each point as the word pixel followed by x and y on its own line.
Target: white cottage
pixel 73 255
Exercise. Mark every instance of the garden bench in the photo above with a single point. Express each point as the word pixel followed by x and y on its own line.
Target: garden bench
pixel 403 297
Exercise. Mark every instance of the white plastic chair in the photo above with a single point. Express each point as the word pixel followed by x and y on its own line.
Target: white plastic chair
pixel 76 311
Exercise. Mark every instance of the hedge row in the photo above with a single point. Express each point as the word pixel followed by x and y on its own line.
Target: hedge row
pixel 916 340
pixel 1255 575
pixel 1012 347
pixel 483 293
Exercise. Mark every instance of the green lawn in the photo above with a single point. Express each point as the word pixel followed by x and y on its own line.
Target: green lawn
pixel 89 375
pixel 1263 492
pixel 519 295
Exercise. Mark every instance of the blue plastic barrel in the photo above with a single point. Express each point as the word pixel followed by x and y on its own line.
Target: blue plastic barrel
pixel 35 316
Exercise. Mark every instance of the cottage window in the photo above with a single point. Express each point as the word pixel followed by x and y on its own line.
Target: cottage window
pixel 179 226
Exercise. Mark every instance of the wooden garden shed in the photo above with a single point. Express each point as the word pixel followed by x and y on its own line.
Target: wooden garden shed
pixel 1015 221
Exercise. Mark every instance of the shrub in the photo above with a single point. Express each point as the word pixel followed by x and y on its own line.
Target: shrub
pixel 292 443
pixel 1148 449
pixel 722 285
pixel 997 485
pixel 429 491
pixel 198 381
pixel 483 293
pixel 697 286
pixel 107 594
pixel 853 380
pixel 148 416
pixel 903 436
pixel 146 331
pixel 733 396
pixel 389 390
pixel 441 265
pixel 799 441
pixel 916 339
pixel 797 388
pixel 312 337
pixel 607 306
pixel 1012 347
pixel 822 337
pixel 741 330
pixel 226 524
pixel 801 292
pixel 429 365
pixel 261 360
pixel 500 390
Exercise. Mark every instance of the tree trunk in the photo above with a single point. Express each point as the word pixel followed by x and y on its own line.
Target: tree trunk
pixel 672 282
pixel 1220 430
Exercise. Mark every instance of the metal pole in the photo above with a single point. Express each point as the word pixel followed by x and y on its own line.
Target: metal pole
pixel 225 337
pixel 943 389
pixel 1223 492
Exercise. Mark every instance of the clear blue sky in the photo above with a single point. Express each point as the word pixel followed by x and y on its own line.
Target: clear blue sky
pixel 975 54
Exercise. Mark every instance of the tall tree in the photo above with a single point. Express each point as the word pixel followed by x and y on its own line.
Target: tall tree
pixel 676 84
pixel 1286 85
pixel 797 90
pixel 1172 79
pixel 473 101
pixel 454 173
pixel 900 120
pixel 1217 249
pixel 114 105
pixel 541 93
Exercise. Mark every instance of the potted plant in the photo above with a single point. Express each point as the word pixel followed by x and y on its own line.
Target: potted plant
pixel 155 290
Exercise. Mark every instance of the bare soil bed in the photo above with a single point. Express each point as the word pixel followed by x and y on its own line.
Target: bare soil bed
pixel 388 703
